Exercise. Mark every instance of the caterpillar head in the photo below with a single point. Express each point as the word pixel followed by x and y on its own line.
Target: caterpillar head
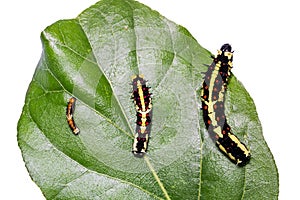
pixel 226 47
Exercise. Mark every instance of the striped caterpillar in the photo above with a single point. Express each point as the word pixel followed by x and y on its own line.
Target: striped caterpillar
pixel 212 97
pixel 143 105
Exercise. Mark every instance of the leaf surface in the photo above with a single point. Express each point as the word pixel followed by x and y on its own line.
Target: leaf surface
pixel 92 58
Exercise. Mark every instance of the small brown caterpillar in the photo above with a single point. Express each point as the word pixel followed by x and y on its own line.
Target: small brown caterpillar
pixel 69 114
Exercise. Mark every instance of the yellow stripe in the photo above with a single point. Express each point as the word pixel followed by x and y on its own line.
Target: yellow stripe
pixel 141 95
pixel 239 144
pixel 210 103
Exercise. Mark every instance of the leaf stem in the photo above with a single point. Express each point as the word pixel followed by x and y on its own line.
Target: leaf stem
pixel 156 177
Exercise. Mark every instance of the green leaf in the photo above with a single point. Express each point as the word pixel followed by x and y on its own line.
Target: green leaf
pixel 92 58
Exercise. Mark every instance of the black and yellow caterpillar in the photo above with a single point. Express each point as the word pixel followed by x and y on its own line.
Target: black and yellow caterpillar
pixel 143 105
pixel 212 97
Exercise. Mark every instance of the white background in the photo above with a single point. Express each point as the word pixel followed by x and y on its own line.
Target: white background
pixel 265 38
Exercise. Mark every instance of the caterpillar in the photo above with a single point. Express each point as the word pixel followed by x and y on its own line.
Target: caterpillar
pixel 142 99
pixel 69 113
pixel 212 97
